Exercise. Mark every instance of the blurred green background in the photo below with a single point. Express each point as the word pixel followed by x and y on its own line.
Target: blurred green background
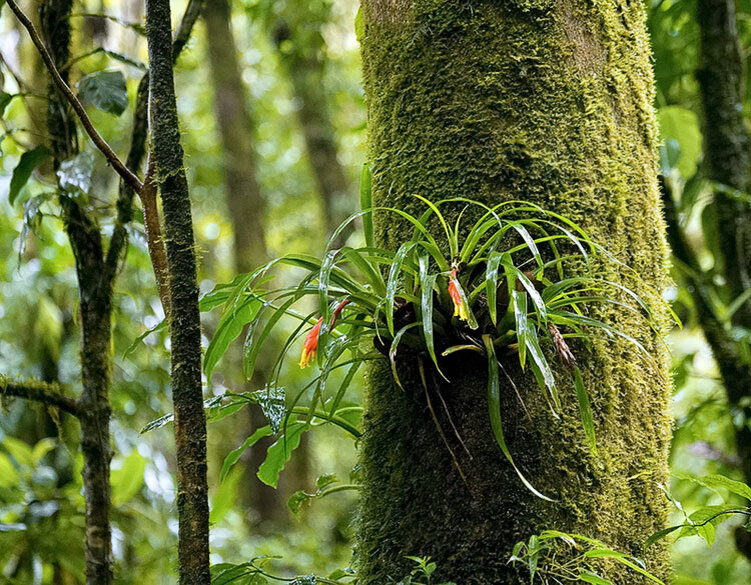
pixel 41 505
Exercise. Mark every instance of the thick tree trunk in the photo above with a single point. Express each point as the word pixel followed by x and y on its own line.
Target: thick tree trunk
pixel 184 322
pixel 246 209
pixel 550 102
pixel 302 53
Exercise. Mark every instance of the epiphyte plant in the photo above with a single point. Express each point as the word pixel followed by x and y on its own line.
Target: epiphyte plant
pixel 499 287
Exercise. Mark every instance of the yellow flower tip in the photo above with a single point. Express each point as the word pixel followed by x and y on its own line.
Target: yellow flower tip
pixel 460 309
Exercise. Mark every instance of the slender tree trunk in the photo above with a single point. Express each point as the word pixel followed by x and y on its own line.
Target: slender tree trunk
pixel 547 101
pixel 727 157
pixel 95 314
pixel 726 147
pixel 302 53
pixel 185 323
pixel 246 209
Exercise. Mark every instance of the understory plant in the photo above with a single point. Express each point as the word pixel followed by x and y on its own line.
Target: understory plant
pixel 509 285
pixel 559 558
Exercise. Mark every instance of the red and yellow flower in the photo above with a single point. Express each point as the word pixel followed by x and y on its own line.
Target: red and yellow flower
pixel 310 345
pixel 460 307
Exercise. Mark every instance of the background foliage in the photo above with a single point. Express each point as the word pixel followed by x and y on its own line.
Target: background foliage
pixel 41 523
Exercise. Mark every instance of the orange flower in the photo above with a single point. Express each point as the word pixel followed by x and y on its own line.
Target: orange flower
pixel 310 346
pixel 460 309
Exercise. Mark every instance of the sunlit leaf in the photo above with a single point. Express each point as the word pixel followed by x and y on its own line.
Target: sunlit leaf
pixel 29 160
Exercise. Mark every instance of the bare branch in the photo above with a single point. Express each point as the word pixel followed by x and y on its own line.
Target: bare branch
pixel 153 228
pixel 128 176
pixel 49 394
pixel 192 12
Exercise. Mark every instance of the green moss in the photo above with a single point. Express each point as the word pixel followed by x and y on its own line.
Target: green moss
pixel 550 104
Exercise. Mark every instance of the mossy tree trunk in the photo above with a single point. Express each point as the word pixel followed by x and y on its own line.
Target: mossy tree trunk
pixel 95 307
pixel 184 320
pixel 550 102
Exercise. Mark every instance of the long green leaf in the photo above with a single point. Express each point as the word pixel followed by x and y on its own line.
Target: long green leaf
pixel 393 349
pixel 279 453
pixel 585 410
pixel 29 160
pixel 229 328
pixel 491 285
pixel 393 281
pixel 234 455
pixel 519 301
pixel 366 202
pixel 494 409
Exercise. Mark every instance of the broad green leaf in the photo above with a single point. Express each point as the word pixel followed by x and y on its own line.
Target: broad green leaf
pixel 272 401
pixel 494 409
pixel 8 474
pixel 19 450
pixel 106 90
pixel 230 326
pixel 682 125
pixel 660 534
pixel 279 453
pixel 585 410
pixel 127 481
pixel 717 483
pixel 224 497
pixel 234 455
pixel 42 448
pixel 29 160
pixel 359 24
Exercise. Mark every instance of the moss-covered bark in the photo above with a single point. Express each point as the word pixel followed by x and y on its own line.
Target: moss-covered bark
pixel 184 322
pixel 95 308
pixel 547 101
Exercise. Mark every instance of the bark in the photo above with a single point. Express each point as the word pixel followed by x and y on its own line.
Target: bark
pixel 550 102
pixel 184 324
pixel 95 293
pixel 727 158
pixel 246 210
pixel 302 52
pixel 721 77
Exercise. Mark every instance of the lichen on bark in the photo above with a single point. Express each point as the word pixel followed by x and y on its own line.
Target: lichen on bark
pixel 548 102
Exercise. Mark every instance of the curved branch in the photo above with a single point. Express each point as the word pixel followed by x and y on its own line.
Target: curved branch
pixel 128 176
pixel 192 12
pixel 49 394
